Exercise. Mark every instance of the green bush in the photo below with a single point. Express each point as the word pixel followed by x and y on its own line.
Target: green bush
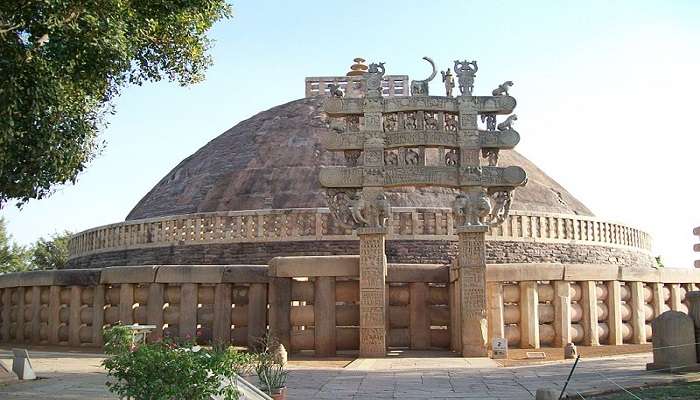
pixel 169 371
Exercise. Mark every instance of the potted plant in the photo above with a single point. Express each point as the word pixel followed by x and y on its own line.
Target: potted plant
pixel 273 381
pixel 269 367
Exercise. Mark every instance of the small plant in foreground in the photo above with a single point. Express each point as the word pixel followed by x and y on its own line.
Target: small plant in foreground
pixel 269 368
pixel 170 371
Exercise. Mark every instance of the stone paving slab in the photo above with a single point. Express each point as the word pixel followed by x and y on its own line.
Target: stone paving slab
pixel 80 377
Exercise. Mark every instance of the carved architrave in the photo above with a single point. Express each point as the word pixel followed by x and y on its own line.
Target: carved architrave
pixel 501 105
pixel 507 139
pixel 422 175
pixel 499 140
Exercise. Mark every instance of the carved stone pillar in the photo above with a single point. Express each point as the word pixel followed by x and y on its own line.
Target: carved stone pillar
pixel 372 294
pixel 472 284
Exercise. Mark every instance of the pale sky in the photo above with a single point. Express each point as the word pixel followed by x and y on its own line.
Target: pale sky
pixel 607 98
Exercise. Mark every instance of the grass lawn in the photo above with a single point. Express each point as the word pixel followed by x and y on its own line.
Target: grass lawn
pixel 676 391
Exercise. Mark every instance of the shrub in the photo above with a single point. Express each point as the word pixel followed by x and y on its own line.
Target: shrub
pixel 170 371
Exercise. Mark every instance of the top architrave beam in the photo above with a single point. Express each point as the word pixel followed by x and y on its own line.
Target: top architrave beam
pixel 339 107
pixel 504 140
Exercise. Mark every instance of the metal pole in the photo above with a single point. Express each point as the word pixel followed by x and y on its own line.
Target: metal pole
pixel 569 377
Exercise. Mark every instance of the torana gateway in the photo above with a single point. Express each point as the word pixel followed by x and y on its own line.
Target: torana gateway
pixel 369 215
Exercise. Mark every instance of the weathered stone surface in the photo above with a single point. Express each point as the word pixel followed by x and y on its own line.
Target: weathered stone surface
pixel 406 273
pixel 315 266
pixel 186 274
pixel 277 153
pixel 123 274
pixel 245 273
pixel 80 277
pixel 673 341
pixel 398 251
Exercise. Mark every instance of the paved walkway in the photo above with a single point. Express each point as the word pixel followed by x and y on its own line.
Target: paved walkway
pixel 411 376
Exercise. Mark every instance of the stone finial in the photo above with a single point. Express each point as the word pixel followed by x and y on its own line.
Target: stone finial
pixel 358 68
pixel 465 71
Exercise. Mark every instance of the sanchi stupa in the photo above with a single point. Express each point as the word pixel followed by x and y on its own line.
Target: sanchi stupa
pixel 238 239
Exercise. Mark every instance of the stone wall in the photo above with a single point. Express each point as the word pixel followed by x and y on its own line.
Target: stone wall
pixel 312 303
pixel 398 251
pixel 317 225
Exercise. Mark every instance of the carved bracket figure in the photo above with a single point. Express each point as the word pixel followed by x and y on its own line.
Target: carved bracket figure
pixel 421 88
pixel 352 210
pixel 335 90
pixel 340 205
pixel 502 89
pixel 508 123
pixel 491 155
pixel 502 200
pixel 466 71
pixel 470 209
pixel 449 81
pixel 490 120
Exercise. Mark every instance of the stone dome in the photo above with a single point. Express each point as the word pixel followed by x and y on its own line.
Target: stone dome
pixel 276 154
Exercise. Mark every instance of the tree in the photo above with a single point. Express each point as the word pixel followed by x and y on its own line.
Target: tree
pixel 13 258
pixel 51 253
pixel 62 62
pixel 659 263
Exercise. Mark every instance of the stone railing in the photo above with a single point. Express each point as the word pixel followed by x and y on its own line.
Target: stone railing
pixel 316 303
pixel 696 246
pixel 314 224
pixel 71 307
pixel 392 85
pixel 535 305
pixel 312 303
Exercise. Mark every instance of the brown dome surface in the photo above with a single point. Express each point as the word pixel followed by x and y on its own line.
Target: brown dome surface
pixel 277 154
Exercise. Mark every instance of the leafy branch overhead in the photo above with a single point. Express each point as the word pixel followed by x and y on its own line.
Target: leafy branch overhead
pixel 62 62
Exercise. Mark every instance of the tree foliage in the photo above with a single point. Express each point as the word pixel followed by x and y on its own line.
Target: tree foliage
pixel 62 62
pixel 13 257
pixel 51 253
